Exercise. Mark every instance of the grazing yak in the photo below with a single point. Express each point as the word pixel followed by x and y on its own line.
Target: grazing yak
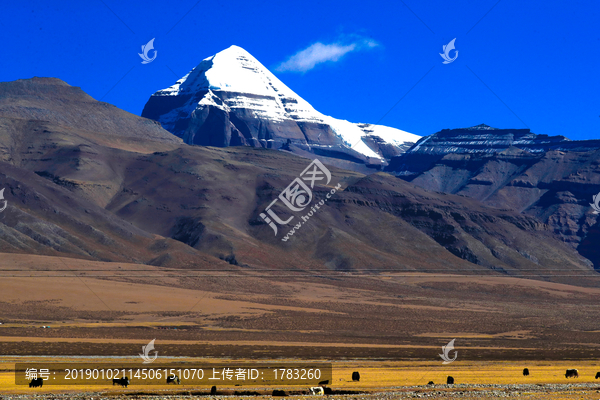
pixel 450 381
pixel 431 383
pixel 597 375
pixel 213 390
pixel 355 376
pixel 36 382
pixel 121 381
pixel 572 373
pixel 173 379
pixel 526 372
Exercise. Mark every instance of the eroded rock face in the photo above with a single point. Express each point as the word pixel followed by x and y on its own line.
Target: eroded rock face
pixel 230 99
pixel 550 178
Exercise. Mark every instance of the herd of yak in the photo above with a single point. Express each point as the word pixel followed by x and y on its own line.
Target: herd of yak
pixel 124 382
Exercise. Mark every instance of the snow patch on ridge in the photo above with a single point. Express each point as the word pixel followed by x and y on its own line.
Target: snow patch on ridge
pixel 351 135
pixel 394 136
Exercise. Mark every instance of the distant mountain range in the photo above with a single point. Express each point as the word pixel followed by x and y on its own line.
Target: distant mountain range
pixel 480 140
pixel 231 99
pixel 85 179
pixel 550 178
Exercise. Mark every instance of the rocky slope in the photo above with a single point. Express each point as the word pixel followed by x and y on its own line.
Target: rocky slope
pixel 231 99
pixel 550 178
pixel 60 157
pixel 55 102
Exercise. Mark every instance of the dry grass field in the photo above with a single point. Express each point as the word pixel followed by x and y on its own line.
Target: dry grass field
pixel 376 377
pixel 389 327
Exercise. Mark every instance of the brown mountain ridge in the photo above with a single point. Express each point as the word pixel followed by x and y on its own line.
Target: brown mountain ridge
pixel 88 180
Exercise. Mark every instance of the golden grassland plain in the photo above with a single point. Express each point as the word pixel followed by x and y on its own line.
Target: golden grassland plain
pixel 111 310
pixel 374 375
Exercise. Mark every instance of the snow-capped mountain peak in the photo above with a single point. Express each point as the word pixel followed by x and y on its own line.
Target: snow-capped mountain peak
pixel 255 108
pixel 233 69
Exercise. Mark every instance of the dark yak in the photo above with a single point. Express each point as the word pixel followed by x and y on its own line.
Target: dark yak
pixel 450 381
pixel 36 382
pixel 597 375
pixel 121 381
pixel 572 373
pixel 526 372
pixel 173 379
pixel 355 376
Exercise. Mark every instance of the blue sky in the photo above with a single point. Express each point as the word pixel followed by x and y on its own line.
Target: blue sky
pixel 520 64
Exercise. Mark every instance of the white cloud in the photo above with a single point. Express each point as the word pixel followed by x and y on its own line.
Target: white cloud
pixel 318 53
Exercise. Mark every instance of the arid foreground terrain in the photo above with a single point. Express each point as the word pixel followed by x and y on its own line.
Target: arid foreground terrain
pixel 390 327
pixel 113 309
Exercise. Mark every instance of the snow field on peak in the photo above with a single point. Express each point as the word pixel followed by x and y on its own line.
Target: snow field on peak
pixel 390 135
pixel 351 135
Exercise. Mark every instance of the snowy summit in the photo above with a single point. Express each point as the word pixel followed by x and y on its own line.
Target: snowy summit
pixel 232 99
